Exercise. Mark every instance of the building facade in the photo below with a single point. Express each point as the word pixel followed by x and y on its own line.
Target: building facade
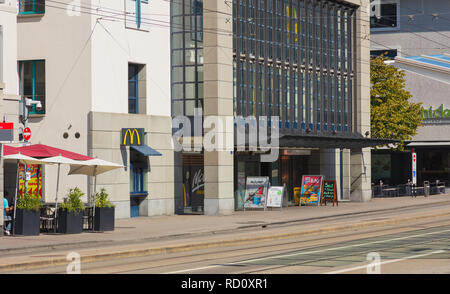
pixel 303 65
pixel 416 36
pixel 9 84
pixel 99 67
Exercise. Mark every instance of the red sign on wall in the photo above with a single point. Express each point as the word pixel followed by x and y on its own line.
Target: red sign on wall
pixel 27 134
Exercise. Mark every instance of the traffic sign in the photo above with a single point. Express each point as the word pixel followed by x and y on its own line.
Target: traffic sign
pixel 27 134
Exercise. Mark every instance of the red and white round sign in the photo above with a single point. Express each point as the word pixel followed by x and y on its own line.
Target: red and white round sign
pixel 27 134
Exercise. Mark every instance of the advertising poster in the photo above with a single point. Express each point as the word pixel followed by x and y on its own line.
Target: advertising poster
pixel 311 190
pixel 34 182
pixel 275 197
pixel 256 192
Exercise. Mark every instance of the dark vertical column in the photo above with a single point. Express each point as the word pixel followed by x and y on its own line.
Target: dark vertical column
pixel 315 96
pixel 266 57
pixel 237 9
pixel 342 66
pixel 321 73
pixel 349 70
pixel 336 69
pixel 307 66
pixel 355 74
pixel 247 59
pixel 291 66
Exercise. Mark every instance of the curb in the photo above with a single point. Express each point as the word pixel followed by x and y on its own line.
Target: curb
pixel 87 244
pixel 204 245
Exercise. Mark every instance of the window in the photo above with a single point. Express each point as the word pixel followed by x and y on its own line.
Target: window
pixel 389 53
pixel 384 14
pixel 137 14
pixel 137 99
pixel 31 7
pixel 138 173
pixel 32 82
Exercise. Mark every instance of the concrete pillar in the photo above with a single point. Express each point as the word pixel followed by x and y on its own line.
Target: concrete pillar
pixel 360 159
pixel 218 102
pixel 361 188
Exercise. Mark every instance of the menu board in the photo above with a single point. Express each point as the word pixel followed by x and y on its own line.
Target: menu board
pixel 275 197
pixel 311 190
pixel 329 192
pixel 256 192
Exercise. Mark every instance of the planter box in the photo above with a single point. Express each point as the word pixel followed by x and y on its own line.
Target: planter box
pixel 104 219
pixel 28 222
pixel 70 222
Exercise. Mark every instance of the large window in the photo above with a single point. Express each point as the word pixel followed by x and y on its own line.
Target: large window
pixel 384 14
pixel 32 82
pixel 187 56
pixel 304 66
pixel 31 6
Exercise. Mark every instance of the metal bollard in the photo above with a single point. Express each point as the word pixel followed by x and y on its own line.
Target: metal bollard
pixel 426 188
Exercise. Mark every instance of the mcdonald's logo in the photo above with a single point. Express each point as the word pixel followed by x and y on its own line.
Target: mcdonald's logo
pixel 132 137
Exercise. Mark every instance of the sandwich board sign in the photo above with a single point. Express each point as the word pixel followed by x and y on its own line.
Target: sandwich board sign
pixel 311 190
pixel 276 197
pixel 256 192
pixel 329 193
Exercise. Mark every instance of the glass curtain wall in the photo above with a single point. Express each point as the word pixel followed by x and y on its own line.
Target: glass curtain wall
pixel 187 56
pixel 295 59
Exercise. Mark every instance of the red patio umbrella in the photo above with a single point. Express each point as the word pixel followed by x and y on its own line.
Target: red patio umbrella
pixel 41 150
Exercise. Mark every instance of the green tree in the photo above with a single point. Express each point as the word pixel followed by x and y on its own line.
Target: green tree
pixel 393 116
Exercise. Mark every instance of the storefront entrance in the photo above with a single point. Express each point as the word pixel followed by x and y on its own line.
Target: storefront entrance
pixel 193 184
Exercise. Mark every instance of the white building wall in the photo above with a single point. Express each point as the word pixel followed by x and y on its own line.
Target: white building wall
pixel 8 60
pixel 114 46
pixel 62 39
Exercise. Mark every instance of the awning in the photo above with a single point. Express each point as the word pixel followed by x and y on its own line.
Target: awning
pixel 425 144
pixel 43 151
pixel 146 150
pixel 315 141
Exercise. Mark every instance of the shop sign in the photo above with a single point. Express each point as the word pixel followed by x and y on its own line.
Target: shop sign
pixel 414 168
pixel 438 115
pixel 329 192
pixel 276 197
pixel 6 132
pixel 256 192
pixel 311 190
pixel 132 137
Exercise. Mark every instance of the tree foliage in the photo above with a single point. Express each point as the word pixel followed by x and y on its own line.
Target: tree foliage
pixel 393 116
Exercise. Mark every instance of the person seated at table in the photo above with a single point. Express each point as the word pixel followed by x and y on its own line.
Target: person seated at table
pixel 6 218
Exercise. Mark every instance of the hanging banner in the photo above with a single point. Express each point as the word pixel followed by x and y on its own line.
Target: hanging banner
pixel 256 192
pixel 311 190
pixel 34 179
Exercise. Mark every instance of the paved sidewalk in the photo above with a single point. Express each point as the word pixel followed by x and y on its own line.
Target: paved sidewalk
pixel 146 229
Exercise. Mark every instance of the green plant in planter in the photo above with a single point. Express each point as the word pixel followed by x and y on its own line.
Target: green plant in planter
pixel 101 199
pixel 29 202
pixel 72 202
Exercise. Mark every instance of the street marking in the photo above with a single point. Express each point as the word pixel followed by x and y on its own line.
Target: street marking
pixel 384 262
pixel 308 252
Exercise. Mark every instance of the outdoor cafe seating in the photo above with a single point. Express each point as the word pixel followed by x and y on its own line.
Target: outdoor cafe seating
pixel 49 222
pixel 428 188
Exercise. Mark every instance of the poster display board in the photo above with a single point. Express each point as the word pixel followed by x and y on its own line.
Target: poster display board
pixel 311 190
pixel 276 197
pixel 329 192
pixel 256 190
pixel 34 181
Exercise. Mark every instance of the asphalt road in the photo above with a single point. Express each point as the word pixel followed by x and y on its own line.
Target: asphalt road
pixel 422 247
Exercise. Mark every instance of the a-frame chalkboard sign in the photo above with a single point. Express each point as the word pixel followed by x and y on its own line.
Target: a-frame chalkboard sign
pixel 329 193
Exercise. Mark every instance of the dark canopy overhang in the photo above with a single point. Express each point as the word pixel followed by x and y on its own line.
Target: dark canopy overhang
pixel 331 141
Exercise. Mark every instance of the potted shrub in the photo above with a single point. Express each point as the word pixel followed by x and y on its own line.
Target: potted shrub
pixel 104 212
pixel 28 215
pixel 70 213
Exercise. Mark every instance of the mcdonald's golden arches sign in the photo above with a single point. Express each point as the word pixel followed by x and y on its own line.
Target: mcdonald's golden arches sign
pixel 132 137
